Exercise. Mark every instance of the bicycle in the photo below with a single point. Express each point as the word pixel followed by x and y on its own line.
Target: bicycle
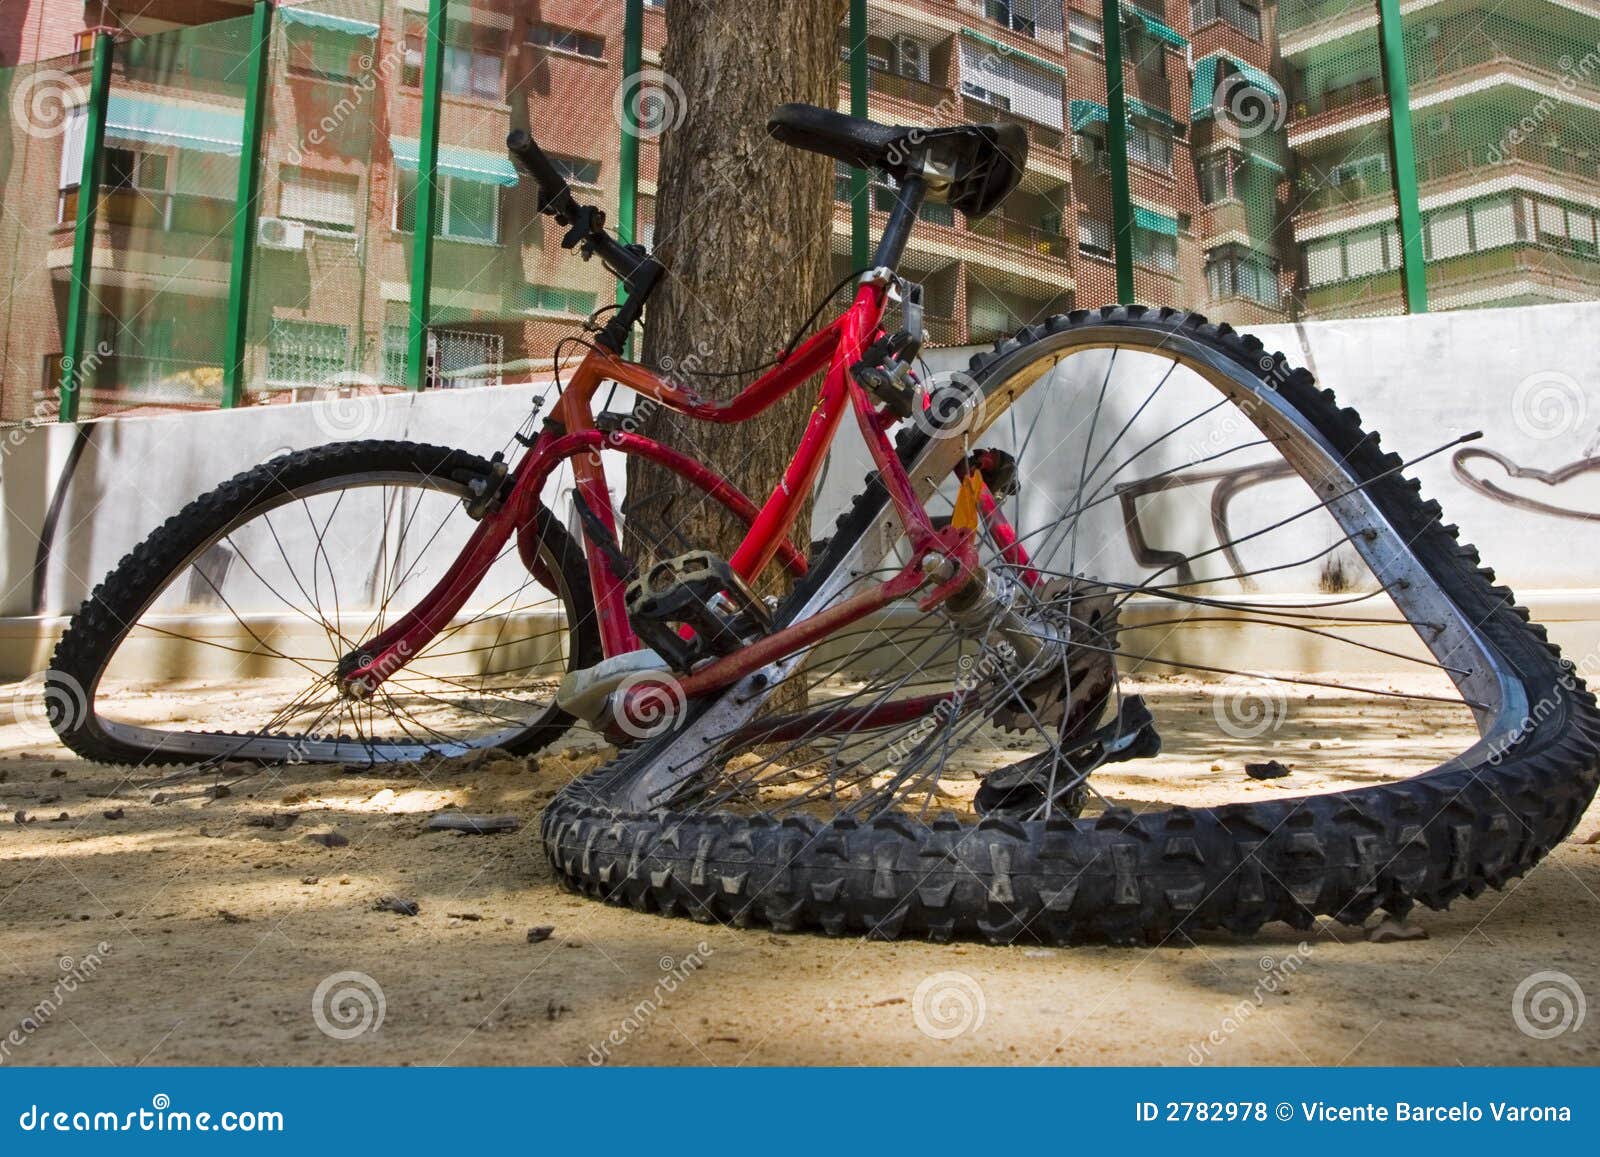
pixel 961 612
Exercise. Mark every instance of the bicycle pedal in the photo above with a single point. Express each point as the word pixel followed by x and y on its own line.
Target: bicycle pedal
pixel 701 592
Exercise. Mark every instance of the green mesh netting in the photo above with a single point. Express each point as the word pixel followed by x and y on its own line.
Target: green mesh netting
pixel 1343 212
pixel 1507 125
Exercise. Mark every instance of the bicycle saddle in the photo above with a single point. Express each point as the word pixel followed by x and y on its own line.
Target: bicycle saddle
pixel 984 162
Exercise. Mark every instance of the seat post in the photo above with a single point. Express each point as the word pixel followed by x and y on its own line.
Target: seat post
pixel 908 200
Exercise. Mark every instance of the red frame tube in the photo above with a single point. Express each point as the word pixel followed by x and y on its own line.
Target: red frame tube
pixel 570 433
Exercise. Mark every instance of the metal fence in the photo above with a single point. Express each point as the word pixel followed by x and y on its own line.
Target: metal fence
pixel 253 232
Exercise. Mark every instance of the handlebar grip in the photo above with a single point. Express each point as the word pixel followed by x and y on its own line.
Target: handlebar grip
pixel 554 195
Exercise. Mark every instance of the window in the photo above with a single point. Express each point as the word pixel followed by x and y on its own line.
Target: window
pixel 1370 170
pixel 1094 236
pixel 978 92
pixel 454 352
pixel 127 169
pixel 554 299
pixel 568 40
pixel 1448 233
pixel 1216 178
pixel 1017 15
pixel 1245 17
pixel 323 200
pixel 469 70
pixel 306 353
pixel 1149 55
pixel 1158 250
pixel 1150 145
pixel 1359 254
pixel 1233 271
pixel 1085 34
pixel 576 170
pixel 470 211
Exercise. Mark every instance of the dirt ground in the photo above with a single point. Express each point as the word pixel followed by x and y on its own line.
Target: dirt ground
pixel 198 930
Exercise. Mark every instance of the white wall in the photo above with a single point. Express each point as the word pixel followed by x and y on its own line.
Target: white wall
pixel 1527 377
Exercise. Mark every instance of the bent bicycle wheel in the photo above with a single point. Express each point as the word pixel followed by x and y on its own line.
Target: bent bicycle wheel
pixel 1267 596
pixel 222 634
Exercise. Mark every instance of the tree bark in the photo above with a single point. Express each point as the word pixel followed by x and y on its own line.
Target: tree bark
pixel 744 228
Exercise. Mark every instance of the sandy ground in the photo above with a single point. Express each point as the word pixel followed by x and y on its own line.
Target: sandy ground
pixel 196 930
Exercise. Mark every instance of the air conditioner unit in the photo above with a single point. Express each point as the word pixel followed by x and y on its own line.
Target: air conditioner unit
pixel 276 233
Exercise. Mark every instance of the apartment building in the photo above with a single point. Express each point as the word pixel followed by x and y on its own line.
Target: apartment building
pixel 1506 114
pixel 1258 141
pixel 333 251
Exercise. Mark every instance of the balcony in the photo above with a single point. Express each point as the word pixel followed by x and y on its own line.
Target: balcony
pixel 1042 135
pixel 911 90
pixel 1520 273
pixel 1462 167
pixel 1032 238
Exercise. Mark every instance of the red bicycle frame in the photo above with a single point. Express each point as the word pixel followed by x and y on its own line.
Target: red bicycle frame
pixel 570 434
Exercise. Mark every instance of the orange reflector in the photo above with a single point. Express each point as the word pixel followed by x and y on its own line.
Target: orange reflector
pixel 966 512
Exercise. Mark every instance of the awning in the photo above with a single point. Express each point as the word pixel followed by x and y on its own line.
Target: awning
pixel 1155 222
pixel 327 22
pixel 1086 113
pixel 1137 108
pixel 186 126
pixel 1266 163
pixel 454 161
pixel 1202 94
pixel 1153 26
pixel 1007 52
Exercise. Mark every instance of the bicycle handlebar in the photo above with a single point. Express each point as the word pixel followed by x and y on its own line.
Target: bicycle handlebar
pixel 586 231
pixel 555 197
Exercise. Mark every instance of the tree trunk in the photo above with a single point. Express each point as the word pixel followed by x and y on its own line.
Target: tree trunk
pixel 744 228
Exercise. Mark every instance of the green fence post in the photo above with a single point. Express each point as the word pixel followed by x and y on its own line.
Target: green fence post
pixel 247 205
pixel 628 155
pixel 427 197
pixel 1117 147
pixel 860 207
pixel 94 139
pixel 1392 35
